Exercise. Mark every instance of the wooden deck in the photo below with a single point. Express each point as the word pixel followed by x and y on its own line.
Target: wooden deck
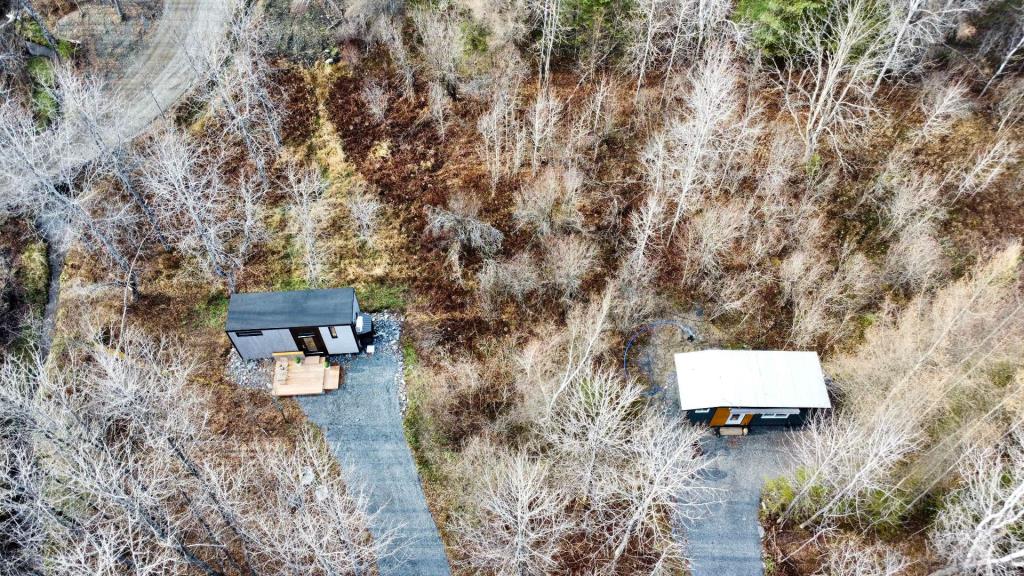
pixel 295 375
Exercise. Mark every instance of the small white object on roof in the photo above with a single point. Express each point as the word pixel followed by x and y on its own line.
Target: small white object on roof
pixel 750 379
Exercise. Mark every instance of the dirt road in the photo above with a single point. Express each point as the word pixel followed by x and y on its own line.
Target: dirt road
pixel 162 71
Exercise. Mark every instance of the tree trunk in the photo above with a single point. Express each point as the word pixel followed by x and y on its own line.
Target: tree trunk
pixel 55 261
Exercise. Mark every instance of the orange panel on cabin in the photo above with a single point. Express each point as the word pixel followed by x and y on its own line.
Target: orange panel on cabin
pixel 721 415
pixel 747 419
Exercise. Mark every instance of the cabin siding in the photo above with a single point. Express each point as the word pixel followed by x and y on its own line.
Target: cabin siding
pixel 717 417
pixel 696 417
pixel 264 345
pixel 791 420
pixel 345 343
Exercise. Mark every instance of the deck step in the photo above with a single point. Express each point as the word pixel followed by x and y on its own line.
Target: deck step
pixel 332 378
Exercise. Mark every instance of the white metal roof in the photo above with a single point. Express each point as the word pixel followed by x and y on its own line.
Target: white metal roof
pixel 750 378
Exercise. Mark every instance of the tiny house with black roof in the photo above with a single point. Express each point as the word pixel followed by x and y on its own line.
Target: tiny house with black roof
pixel 314 322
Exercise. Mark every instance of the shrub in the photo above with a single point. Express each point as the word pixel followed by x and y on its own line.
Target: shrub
pixel 214 311
pixel 515 278
pixel 460 227
pixel 550 202
pixel 363 208
pixel 569 260
pixel 375 297
pixel 776 496
pixel 32 274
pixel 376 98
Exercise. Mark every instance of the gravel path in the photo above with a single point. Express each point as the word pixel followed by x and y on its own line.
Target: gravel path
pixel 362 422
pixel 727 540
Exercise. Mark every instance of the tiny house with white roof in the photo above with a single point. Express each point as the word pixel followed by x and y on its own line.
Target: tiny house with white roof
pixel 750 387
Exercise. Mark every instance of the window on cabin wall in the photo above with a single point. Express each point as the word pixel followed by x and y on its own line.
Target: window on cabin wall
pixel 334 331
pixel 245 333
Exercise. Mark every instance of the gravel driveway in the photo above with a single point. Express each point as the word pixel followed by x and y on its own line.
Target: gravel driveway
pixel 363 425
pixel 726 541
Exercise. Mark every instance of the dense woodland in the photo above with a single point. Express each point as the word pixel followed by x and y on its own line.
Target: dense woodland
pixel 526 182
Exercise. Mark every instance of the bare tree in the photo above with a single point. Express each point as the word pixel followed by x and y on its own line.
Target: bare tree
pixel 569 260
pixel 1011 104
pixel 116 469
pixel 915 261
pixel 88 111
pixel 662 480
pixel 1011 52
pixel 441 44
pixel 646 25
pixel 363 208
pixel 502 131
pixel 695 25
pixel 943 102
pixel 43 183
pixel 911 27
pixel 306 187
pixel 914 198
pixel 551 202
pixel 593 426
pixel 439 104
pixel 515 278
pixel 826 94
pixel 987 166
pixel 861 465
pixel 977 529
pixel 699 151
pixel 669 32
pixel 545 114
pixel 460 226
pixel 519 518
pixel 242 91
pixel 712 233
pixel 192 200
pixel 826 293
pixel 390 34
pixel 644 224
pixel 594 123
pixel 548 16
pixel 319 524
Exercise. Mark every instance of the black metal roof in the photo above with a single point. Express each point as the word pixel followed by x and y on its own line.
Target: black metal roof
pixel 293 309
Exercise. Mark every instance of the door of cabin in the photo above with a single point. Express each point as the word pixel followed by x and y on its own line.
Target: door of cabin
pixel 308 341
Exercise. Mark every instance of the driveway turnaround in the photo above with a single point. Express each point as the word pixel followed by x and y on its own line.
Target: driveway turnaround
pixel 726 541
pixel 363 425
